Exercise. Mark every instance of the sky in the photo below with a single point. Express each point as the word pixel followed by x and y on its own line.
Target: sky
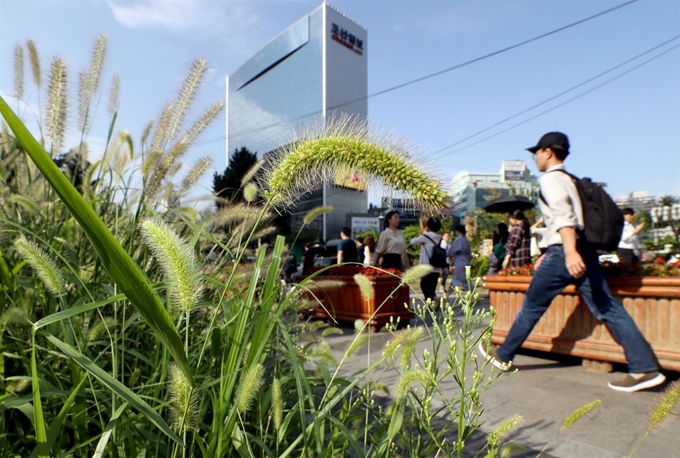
pixel 624 126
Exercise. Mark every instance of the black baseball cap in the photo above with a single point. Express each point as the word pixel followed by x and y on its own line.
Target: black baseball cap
pixel 555 140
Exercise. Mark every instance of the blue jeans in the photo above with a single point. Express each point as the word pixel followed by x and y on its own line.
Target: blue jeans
pixel 549 280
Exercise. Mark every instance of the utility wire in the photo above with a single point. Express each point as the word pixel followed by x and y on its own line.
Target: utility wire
pixel 431 75
pixel 567 101
pixel 438 152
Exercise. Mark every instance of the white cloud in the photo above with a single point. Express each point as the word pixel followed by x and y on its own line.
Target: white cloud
pixel 184 15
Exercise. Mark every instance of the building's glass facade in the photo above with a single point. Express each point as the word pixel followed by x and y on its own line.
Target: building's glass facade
pixel 312 71
pixel 474 190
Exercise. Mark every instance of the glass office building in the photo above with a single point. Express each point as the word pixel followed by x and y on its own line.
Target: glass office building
pixel 474 190
pixel 314 70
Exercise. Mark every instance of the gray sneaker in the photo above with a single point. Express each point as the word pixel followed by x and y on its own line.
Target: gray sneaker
pixel 631 384
pixel 491 357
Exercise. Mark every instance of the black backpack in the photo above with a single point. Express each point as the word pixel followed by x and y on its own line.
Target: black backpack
pixel 602 219
pixel 438 255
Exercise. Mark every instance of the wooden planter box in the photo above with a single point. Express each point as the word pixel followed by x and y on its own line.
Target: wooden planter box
pixel 346 304
pixel 569 328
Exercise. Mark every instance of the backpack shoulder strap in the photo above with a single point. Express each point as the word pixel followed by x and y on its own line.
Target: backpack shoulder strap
pixel 573 177
pixel 433 242
pixel 430 239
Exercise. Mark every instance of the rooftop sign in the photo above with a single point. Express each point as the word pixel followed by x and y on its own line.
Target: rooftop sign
pixel 348 40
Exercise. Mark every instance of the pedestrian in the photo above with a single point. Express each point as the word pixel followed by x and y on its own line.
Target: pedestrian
pixel 347 248
pixel 462 257
pixel 427 240
pixel 444 271
pixel 518 248
pixel 360 248
pixel 538 243
pixel 391 250
pixel 289 266
pixel 500 238
pixel 308 256
pixel 629 242
pixel 369 251
pixel 570 261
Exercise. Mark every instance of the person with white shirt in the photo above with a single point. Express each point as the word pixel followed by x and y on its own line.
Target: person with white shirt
pixel 427 240
pixel 629 241
pixel 569 261
pixel 391 249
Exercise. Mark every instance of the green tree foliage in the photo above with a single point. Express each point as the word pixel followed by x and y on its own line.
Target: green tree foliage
pixel 228 185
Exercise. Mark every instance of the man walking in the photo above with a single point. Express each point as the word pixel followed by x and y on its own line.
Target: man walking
pixel 629 241
pixel 568 260
pixel 347 248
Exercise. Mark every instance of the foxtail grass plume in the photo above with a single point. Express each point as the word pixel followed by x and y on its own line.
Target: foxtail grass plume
pixel 83 100
pixel 177 260
pixel 365 286
pixel 55 121
pixel 410 346
pixel 392 346
pixel 113 96
pixel 413 275
pixel 499 434
pixel 277 403
pixel 163 165
pixel 322 351
pixel 250 192
pixel 196 173
pixel 232 214
pixel 324 284
pixel 35 63
pixel 187 94
pixel 666 403
pixel 316 211
pixel 43 265
pixel 184 403
pixel 406 381
pixel 19 72
pixel 161 132
pixel 331 331
pixel 146 132
pixel 579 413
pixel 97 64
pixel 14 315
pixel 318 154
pixel 252 171
pixel 96 331
pixel 248 387
pixel 356 344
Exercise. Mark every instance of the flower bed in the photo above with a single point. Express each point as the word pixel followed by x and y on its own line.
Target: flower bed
pixel 346 304
pixel 569 328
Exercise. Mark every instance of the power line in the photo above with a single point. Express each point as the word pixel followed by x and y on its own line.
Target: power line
pixel 431 75
pixel 567 101
pixel 438 152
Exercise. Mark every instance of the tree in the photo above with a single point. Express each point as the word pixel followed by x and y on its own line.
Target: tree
pixel 669 201
pixel 228 185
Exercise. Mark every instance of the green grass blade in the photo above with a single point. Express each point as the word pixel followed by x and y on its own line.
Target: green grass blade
pixel 116 386
pixel 40 431
pixel 120 266
pixel 77 310
pixel 55 427
pixel 104 440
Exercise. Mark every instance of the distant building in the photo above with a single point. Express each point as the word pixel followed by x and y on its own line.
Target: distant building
pixel 637 200
pixel 471 190
pixel 315 69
